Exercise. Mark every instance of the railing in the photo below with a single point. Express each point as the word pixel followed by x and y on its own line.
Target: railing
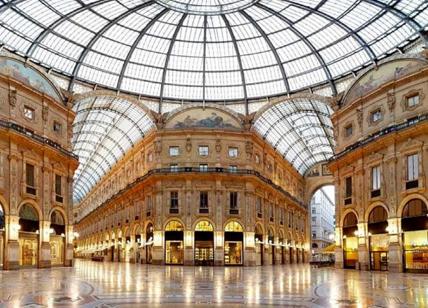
pixel 29 133
pixel 210 170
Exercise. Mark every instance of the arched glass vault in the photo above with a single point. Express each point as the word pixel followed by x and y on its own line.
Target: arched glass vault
pixel 104 129
pixel 209 50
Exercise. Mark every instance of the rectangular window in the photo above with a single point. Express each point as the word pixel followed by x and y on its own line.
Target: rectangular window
pixel 376 115
pixel 348 187
pixel 203 199
pixel 412 167
pixel 174 199
pixel 314 235
pixel 57 127
pixel 58 188
pixel 376 178
pixel 173 167
pixel 259 207
pixel 412 101
pixel 281 216
pixel 203 150
pixel 348 130
pixel 233 202
pixel 271 212
pixel 29 113
pixel 203 167
pixel 233 152
pixel 174 151
pixel 233 168
pixel 29 169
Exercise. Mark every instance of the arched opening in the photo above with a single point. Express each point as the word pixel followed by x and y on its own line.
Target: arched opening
pixel 119 252
pixel 233 243
pixel 414 224
pixel 28 236
pixel 2 229
pixel 378 238
pixel 271 245
pixel 258 237
pixel 350 240
pixel 149 243
pixel 57 238
pixel 204 243
pixel 174 242
pixel 322 209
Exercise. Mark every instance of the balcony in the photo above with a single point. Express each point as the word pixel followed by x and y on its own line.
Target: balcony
pixel 203 210
pixel 412 184
pixel 348 201
pixel 234 212
pixel 375 193
pixel 30 190
pixel 59 198
pixel 173 210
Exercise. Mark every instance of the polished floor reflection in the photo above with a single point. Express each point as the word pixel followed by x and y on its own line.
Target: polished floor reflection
pixel 92 284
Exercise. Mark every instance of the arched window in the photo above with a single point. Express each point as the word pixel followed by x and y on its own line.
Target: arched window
pixel 314 245
pixel 174 225
pixel 233 226
pixel 204 225
pixel 414 208
pixel 378 214
pixel 1 217
pixel 28 218
pixel 57 223
pixel 350 220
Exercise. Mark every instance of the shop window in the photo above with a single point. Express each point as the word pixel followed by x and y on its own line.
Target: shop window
pixel 174 151
pixel 57 127
pixel 376 116
pixel 58 189
pixel 173 202
pixel 348 130
pixel 203 202
pixel 29 113
pixel 412 101
pixel 259 207
pixel 412 171
pixel 233 152
pixel 30 180
pixel 203 150
pixel 375 192
pixel 348 190
pixel 203 167
pixel 233 202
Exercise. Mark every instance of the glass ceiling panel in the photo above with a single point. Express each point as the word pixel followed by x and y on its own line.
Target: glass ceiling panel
pixel 104 129
pixel 300 129
pixel 128 44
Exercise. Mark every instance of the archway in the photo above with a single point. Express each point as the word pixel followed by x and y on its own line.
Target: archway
pixel 2 229
pixel 233 243
pixel 414 224
pixel 28 236
pixel 204 243
pixel 350 240
pixel 322 222
pixel 149 243
pixel 174 242
pixel 258 237
pixel 378 238
pixel 57 238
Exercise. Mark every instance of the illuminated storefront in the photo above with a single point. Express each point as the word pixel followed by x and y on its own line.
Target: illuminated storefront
pixel 174 243
pixel 414 224
pixel 204 243
pixel 28 236
pixel 57 238
pixel 233 243
pixel 378 239
pixel 350 241
pixel 258 237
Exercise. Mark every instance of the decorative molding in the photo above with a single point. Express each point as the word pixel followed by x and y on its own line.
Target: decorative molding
pixel 391 100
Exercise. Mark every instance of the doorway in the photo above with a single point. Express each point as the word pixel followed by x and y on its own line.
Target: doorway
pixel 204 243
pixel 233 243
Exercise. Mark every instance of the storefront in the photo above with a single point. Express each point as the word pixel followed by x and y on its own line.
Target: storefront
pixel 233 243
pixel 350 241
pixel 378 239
pixel 57 239
pixel 204 243
pixel 149 242
pixel 414 224
pixel 28 236
pixel 174 243
pixel 258 237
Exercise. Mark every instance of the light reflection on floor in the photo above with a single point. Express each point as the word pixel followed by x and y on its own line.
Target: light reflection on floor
pixel 92 284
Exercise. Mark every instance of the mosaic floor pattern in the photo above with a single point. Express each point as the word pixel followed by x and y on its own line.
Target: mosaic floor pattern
pixel 92 284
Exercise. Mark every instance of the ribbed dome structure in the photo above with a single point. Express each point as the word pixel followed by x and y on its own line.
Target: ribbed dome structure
pixel 215 50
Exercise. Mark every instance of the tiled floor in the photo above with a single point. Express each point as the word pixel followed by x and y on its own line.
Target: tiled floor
pixel 91 284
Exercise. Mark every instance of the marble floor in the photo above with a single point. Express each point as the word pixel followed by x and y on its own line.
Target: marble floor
pixel 92 284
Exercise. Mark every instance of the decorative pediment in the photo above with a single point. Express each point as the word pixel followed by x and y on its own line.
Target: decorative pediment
pixel 375 157
pixel 412 144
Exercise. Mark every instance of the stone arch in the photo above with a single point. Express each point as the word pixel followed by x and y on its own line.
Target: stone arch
pixel 34 205
pixel 203 219
pixel 136 228
pixel 260 227
pixel 345 213
pixel 372 206
pixel 233 220
pixel 4 205
pixel 407 199
pixel 173 219
pixel 61 210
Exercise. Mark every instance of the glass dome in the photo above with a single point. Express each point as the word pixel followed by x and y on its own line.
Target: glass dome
pixel 214 50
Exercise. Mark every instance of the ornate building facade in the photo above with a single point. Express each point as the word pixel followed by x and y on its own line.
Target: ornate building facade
pixel 200 189
pixel 36 169
pixel 380 168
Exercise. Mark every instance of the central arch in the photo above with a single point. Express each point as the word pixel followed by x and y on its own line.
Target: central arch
pixel 233 243
pixel 174 242
pixel 204 243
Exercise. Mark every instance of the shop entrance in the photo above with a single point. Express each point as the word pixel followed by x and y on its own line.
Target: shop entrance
pixel 28 236
pixel 204 243
pixel 174 244
pixel 149 243
pixel 233 243
pixel 350 241
pixel 57 238
pixel 414 223
pixel 378 239
pixel 258 237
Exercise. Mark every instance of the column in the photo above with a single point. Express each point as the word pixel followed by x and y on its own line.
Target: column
pixel 395 250
pixel 219 248
pixel 133 249
pixel 157 252
pixel 11 256
pixel 363 252
pixel 45 246
pixel 249 249
pixel 69 248
pixel 188 247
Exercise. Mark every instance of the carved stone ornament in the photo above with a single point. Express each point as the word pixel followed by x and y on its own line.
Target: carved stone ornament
pixel 158 146
pixel 45 112
pixel 188 144
pixel 249 148
pixel 390 100
pixel 217 145
pixel 12 97
pixel 360 118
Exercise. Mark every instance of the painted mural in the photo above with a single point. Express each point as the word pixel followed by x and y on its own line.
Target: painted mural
pixel 203 118
pixel 385 73
pixel 28 76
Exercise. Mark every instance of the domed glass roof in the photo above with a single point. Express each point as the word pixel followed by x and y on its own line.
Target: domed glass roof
pixel 209 50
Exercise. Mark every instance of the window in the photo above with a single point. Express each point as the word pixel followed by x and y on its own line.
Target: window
pixel 314 235
pixel 271 212
pixel 314 210
pixel 412 101
pixel 174 151
pixel 174 167
pixel 233 152
pixel 29 169
pixel 376 115
pixel 57 127
pixel 29 113
pixel 149 203
pixel 203 150
pixel 257 159
pixel 348 130
pixel 203 167
pixel 376 178
pixel 203 200
pixel 412 167
pixel 174 200
pixel 58 190
pixel 259 207
pixel 233 168
pixel 281 221
pixel 348 187
pixel 233 202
